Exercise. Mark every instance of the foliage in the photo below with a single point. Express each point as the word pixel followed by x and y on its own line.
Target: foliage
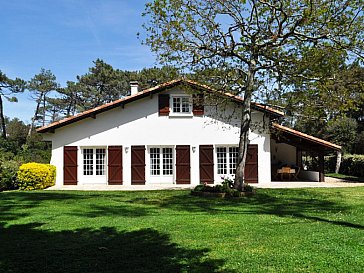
pixel 8 172
pixel 8 87
pixel 352 165
pixel 227 186
pixel 32 176
pixel 309 230
pixel 41 86
pixel 342 131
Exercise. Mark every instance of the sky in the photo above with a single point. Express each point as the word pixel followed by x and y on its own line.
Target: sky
pixel 66 36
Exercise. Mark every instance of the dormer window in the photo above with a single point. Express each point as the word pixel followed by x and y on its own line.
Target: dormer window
pixel 181 105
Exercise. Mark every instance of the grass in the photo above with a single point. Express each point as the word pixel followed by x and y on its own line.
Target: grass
pixel 346 177
pixel 290 230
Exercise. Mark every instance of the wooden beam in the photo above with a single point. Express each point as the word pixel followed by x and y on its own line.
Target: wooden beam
pixel 321 167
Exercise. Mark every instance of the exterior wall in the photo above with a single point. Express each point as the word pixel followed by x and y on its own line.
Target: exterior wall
pixel 283 153
pixel 139 123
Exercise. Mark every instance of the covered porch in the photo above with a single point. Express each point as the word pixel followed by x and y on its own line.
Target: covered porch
pixel 296 156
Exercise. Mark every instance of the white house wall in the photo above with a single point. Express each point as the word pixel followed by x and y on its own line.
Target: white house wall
pixel 139 123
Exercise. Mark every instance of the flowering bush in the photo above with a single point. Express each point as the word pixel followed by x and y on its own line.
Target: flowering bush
pixel 32 176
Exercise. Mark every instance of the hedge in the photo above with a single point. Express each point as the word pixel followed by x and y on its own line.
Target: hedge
pixel 32 176
pixel 350 165
pixel 8 171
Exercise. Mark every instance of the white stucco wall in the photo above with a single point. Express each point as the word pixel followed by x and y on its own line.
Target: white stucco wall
pixel 139 123
pixel 283 153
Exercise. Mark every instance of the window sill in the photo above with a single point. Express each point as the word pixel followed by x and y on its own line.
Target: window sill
pixel 181 115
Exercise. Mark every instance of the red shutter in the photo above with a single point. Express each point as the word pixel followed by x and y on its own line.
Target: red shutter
pixel 70 165
pixel 183 164
pixel 115 165
pixel 206 164
pixel 251 164
pixel 163 104
pixel 198 104
pixel 137 165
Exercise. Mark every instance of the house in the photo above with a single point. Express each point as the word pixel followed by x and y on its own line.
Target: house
pixel 179 132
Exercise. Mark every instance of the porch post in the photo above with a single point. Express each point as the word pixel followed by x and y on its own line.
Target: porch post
pixel 321 167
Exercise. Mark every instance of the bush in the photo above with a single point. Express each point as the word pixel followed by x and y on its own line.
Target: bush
pixel 8 170
pixel 32 176
pixel 352 165
pixel 227 186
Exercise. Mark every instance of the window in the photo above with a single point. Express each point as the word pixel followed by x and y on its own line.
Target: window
pixel 181 105
pixel 221 160
pixel 94 161
pixel 161 161
pixel 226 160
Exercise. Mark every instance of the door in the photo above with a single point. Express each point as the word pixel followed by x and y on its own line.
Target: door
pixel 206 153
pixel 70 165
pixel 183 164
pixel 138 165
pixel 115 165
pixel 251 164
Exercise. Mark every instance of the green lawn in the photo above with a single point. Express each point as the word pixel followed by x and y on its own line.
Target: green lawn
pixel 346 177
pixel 290 230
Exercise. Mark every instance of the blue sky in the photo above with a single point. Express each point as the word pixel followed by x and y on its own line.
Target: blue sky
pixel 65 36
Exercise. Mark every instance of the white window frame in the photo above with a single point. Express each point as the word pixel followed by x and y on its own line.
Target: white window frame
pixel 161 166
pixel 180 114
pixel 226 163
pixel 94 162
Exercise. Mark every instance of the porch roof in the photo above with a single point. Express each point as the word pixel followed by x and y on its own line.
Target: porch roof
pixel 302 140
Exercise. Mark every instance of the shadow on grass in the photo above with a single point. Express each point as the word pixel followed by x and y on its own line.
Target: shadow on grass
pixel 27 248
pixel 302 204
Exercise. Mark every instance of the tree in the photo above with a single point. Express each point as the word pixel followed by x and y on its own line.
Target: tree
pixel 8 87
pixel 258 39
pixel 40 86
pixel 101 85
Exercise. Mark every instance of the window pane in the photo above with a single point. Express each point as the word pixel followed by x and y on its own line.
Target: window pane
pixel 181 104
pixel 221 160
pixel 233 159
pixel 88 162
pixel 176 105
pixel 154 161
pixel 167 161
pixel 100 161
pixel 185 105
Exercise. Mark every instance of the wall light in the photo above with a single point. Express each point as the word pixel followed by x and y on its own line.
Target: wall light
pixel 126 149
pixel 193 149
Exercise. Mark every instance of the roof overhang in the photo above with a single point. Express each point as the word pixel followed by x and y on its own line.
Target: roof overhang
pixel 301 140
pixel 92 113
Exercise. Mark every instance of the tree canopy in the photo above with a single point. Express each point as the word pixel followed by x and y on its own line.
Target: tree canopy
pixel 261 41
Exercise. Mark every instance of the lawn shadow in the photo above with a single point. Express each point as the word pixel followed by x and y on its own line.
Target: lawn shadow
pixel 307 205
pixel 27 248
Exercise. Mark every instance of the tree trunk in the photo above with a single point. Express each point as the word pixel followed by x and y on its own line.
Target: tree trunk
pixel 244 130
pixel 2 119
pixel 35 115
pixel 338 162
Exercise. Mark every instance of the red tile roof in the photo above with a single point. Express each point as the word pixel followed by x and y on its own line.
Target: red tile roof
pixel 306 136
pixel 121 102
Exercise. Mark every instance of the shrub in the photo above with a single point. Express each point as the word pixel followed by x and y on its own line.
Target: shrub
pixel 352 165
pixel 8 170
pixel 32 176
